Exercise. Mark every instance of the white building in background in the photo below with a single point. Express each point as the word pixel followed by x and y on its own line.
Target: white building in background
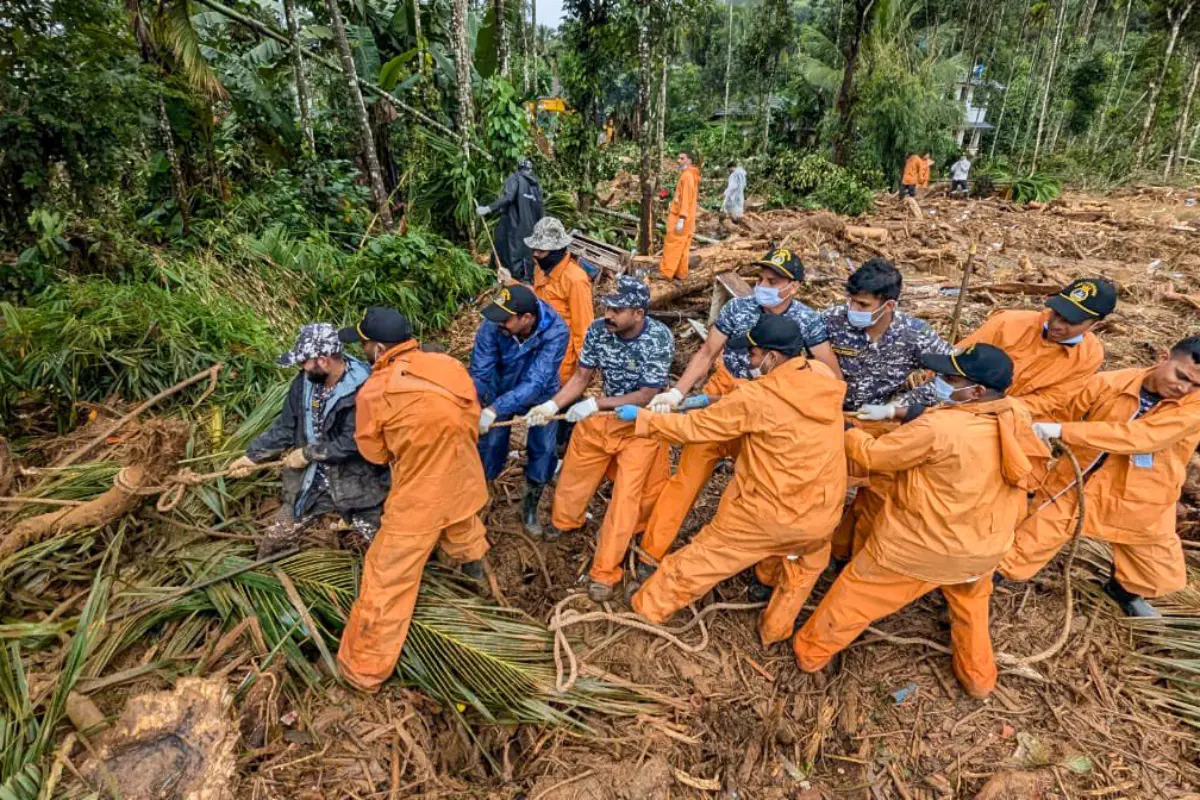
pixel 974 102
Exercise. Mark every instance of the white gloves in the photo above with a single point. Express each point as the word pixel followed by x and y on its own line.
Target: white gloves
pixel 503 276
pixel 1047 431
pixel 679 225
pixel 665 402
pixel 242 467
pixel 540 415
pixel 582 410
pixel 486 418
pixel 876 413
pixel 296 459
pixel 482 211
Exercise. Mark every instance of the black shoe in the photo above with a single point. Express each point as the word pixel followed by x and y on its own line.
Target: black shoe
pixel 1134 605
pixel 643 571
pixel 474 570
pixel 529 508
pixel 999 581
pixel 759 592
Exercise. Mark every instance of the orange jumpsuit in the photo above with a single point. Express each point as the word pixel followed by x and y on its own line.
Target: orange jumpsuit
pixel 696 463
pixel 1046 376
pixel 603 445
pixel 961 478
pixel 418 413
pixel 568 290
pixel 785 498
pixel 1130 498
pixel 674 263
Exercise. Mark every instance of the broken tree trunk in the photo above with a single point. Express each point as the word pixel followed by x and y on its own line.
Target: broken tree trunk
pixel 151 457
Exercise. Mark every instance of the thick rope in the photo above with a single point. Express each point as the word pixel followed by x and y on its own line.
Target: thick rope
pixel 562 618
pixel 176 486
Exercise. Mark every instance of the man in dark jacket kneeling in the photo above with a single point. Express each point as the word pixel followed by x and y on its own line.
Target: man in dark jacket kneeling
pixel 323 470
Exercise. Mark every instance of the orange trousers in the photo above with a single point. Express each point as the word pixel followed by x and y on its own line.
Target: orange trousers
pixel 867 591
pixel 638 467
pixel 1151 568
pixel 723 548
pixel 860 517
pixel 696 464
pixel 674 263
pixel 379 620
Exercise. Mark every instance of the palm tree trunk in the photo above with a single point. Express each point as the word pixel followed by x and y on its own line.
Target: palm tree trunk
pixel 844 107
pixel 464 113
pixel 533 44
pixel 728 64
pixel 1054 52
pixel 365 139
pixel 1177 18
pixel 660 135
pixel 645 183
pixel 1012 73
pixel 502 39
pixel 1181 124
pixel 178 187
pixel 1098 129
pixel 289 7
pixel 526 57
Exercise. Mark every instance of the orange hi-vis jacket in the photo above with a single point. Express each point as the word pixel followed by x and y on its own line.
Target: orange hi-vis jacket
pixel 418 413
pixel 963 473
pixel 1046 375
pixel 1130 497
pixel 568 290
pixel 789 480
pixel 916 171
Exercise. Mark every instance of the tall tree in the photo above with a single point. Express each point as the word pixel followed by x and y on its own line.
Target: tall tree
pixel 1178 148
pixel 843 108
pixel 289 7
pixel 728 66
pixel 1055 49
pixel 502 38
pixel 358 108
pixel 464 112
pixel 645 76
pixel 1177 14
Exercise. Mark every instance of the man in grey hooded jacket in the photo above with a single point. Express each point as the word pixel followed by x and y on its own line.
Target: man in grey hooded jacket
pixel 521 204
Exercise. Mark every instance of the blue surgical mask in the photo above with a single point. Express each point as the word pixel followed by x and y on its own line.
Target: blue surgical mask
pixel 767 296
pixel 864 319
pixel 945 391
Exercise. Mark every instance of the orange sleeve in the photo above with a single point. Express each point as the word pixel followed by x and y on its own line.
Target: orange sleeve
pixel 579 305
pixel 686 192
pixel 729 419
pixel 904 448
pixel 1147 435
pixel 368 431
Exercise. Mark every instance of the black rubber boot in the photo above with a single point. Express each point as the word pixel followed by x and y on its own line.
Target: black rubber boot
pixel 1134 605
pixel 643 571
pixel 529 508
pixel 759 592
pixel 474 570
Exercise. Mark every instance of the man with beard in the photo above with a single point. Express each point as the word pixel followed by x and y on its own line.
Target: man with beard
pixel 323 470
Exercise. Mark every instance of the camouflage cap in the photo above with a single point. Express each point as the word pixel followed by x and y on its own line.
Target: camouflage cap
pixel 315 339
pixel 548 234
pixel 630 293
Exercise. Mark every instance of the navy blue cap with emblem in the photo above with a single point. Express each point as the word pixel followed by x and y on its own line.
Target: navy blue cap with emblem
pixel 1085 299
pixel 985 364
pixel 630 293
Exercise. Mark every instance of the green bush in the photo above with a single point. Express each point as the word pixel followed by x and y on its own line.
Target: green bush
pixel 1035 188
pixel 812 181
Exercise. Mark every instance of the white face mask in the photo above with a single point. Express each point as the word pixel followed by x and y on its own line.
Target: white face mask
pixel 768 296
pixel 1072 340
pixel 864 319
pixel 945 391
pixel 761 369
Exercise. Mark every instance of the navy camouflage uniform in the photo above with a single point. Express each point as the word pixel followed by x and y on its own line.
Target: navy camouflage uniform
pixel 739 316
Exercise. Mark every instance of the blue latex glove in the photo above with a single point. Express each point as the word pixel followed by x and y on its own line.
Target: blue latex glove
pixel 694 402
pixel 627 413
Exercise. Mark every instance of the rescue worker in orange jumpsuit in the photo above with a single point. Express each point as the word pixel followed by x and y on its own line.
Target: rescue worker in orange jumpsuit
pixel 418 414
pixel 681 220
pixel 788 484
pixel 916 173
pixel 1133 431
pixel 560 281
pixel 962 473
pixel 780 275
pixel 633 353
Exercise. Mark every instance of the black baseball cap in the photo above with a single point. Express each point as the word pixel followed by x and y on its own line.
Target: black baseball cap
pixel 783 262
pixel 379 324
pixel 983 363
pixel 771 332
pixel 512 300
pixel 1085 299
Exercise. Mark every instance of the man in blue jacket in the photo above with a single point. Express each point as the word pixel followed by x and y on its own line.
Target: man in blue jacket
pixel 515 363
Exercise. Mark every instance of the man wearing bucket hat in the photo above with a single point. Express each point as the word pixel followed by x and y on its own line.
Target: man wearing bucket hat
pixel 521 204
pixel 633 354
pixel 323 470
pixel 962 474
pixel 419 415
pixel 515 366
pixel 560 281
pixel 785 497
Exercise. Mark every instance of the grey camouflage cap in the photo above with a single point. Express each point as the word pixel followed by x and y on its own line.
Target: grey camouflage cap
pixel 315 339
pixel 548 234
pixel 630 293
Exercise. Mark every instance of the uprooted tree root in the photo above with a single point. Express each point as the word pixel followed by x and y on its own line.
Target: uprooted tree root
pixel 148 460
